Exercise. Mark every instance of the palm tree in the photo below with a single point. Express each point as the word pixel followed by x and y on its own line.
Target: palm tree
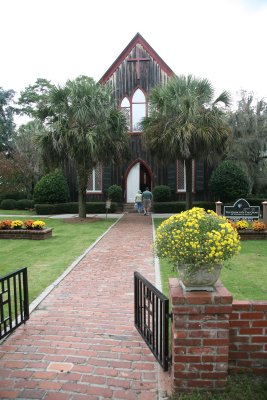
pixel 85 127
pixel 185 123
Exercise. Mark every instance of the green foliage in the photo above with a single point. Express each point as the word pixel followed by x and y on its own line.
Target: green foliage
pixel 7 126
pixel 185 122
pixel 73 208
pixel 8 204
pixel 86 128
pixel 52 188
pixel 179 206
pixel 247 147
pixel 13 195
pixel 228 182
pixel 115 193
pixel 162 193
pixel 33 99
pixel 25 204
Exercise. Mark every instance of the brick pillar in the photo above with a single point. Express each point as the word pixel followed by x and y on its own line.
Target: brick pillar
pixel 264 213
pixel 218 207
pixel 200 337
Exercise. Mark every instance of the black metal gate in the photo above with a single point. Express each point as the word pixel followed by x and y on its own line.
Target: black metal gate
pixel 151 313
pixel 14 301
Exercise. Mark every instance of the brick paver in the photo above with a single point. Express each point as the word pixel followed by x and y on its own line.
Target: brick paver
pixel 81 343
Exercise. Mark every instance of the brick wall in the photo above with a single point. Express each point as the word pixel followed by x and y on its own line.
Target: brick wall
pixel 200 344
pixel 248 337
pixel 212 335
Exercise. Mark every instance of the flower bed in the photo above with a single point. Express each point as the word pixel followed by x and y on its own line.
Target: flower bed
pixel 250 231
pixel 29 229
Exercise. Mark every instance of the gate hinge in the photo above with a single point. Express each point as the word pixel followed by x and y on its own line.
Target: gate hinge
pixel 169 315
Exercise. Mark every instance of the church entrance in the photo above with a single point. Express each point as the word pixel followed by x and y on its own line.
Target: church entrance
pixel 138 178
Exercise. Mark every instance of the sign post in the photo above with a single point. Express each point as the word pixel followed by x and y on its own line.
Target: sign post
pixel 108 205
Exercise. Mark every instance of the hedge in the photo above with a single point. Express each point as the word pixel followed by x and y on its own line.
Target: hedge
pixel 179 206
pixel 72 208
pixel 24 204
pixel 8 204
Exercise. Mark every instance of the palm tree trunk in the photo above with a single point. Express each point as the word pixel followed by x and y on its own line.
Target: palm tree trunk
pixel 188 180
pixel 82 183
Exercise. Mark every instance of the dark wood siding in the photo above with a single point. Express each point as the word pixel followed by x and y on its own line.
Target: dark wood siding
pixel 125 79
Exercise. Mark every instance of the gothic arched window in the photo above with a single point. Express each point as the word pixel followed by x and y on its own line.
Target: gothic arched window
pixel 181 181
pixel 138 110
pixel 95 180
pixel 135 110
pixel 126 109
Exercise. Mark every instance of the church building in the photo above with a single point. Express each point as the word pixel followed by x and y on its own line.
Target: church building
pixel 132 76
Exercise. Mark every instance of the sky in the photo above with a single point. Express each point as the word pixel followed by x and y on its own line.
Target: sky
pixel 221 40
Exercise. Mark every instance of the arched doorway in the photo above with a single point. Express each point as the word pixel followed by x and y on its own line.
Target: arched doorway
pixel 138 177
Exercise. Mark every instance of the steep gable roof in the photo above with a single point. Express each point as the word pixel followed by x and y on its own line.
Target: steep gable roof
pixel 137 39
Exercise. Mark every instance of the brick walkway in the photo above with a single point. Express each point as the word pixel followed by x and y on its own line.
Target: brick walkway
pixel 85 329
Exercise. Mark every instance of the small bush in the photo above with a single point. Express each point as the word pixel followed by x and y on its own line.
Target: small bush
pixel 8 204
pixel 25 204
pixel 115 193
pixel 13 195
pixel 258 226
pixel 162 193
pixel 228 182
pixel 52 188
pixel 28 224
pixel 17 224
pixel 242 225
pixel 6 224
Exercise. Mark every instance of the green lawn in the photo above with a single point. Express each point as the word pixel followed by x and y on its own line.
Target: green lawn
pixel 239 387
pixel 47 259
pixel 246 277
pixel 15 212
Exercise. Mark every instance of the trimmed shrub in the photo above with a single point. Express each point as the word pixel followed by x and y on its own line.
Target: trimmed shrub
pixel 8 204
pixel 115 193
pixel 14 196
pixel 52 188
pixel 169 207
pixel 72 208
pixel 176 207
pixel 25 204
pixel 228 182
pixel 162 193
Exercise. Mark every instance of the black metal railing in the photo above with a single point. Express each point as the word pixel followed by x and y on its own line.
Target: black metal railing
pixel 14 301
pixel 151 312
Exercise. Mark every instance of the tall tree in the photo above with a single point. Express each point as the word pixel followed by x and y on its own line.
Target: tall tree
pixel 249 140
pixel 34 99
pixel 27 146
pixel 184 122
pixel 84 126
pixel 7 126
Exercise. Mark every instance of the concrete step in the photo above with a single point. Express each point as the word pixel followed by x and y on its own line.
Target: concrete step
pixel 128 207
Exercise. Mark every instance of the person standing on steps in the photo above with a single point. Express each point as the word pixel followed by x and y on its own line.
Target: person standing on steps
pixel 147 197
pixel 138 201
